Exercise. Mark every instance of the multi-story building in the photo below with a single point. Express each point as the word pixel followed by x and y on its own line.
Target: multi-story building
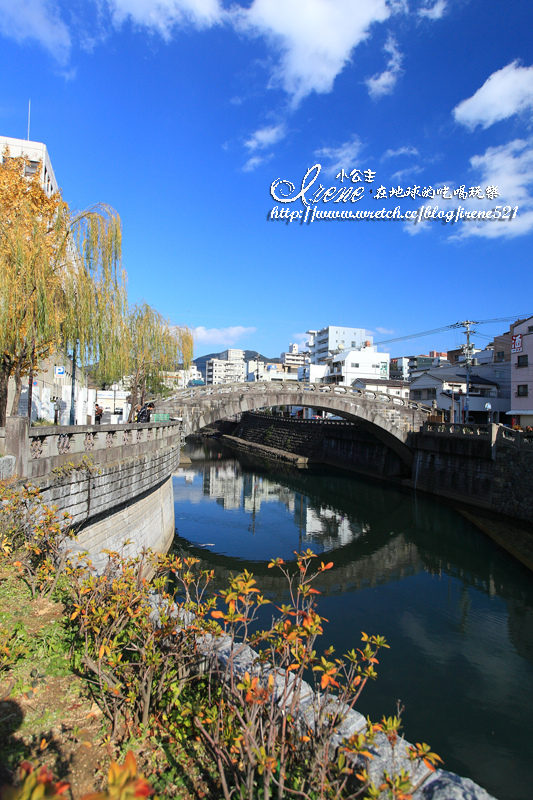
pixel 53 378
pixel 329 340
pixel 267 371
pixel 228 368
pixel 347 366
pixel 294 358
pixel 447 387
pixel 399 368
pixel 521 412
pixel 181 378
pixel 37 154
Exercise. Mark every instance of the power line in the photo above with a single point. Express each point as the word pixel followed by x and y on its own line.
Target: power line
pixel 451 327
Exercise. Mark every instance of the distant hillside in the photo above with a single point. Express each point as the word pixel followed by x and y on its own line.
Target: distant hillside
pixel 249 355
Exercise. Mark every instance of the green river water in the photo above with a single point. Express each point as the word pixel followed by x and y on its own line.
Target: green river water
pixel 456 609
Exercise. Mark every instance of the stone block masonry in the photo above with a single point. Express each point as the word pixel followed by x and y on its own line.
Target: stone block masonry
pixel 125 501
pixel 334 442
pixel 114 481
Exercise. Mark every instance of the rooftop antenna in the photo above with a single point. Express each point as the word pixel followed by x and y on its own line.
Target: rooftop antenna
pixel 29 110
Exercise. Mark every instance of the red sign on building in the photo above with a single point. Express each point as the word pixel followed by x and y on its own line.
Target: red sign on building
pixel 516 344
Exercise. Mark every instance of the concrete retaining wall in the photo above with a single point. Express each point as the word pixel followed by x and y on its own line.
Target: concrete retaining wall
pixel 112 503
pixel 494 474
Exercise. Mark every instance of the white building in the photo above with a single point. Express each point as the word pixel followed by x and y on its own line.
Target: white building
pixel 521 412
pixel 447 387
pixel 181 378
pixel 294 359
pixel 399 368
pixel 322 343
pixel 265 371
pixel 392 387
pixel 350 365
pixel 221 371
pixel 36 152
pixel 312 373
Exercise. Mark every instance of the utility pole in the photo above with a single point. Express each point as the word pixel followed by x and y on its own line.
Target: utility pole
pixel 467 351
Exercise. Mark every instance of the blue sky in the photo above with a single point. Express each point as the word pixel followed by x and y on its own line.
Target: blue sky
pixel 182 113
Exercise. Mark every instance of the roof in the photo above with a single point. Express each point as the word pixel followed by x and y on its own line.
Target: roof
pixel 450 375
pixel 383 382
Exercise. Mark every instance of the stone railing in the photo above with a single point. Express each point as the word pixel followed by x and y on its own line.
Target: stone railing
pixel 41 450
pixel 489 432
pixel 300 420
pixel 282 387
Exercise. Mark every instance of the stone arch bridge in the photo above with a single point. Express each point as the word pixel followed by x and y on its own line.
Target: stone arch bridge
pixel 391 419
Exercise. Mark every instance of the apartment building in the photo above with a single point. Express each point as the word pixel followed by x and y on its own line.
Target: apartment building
pixel 294 359
pixel 228 368
pixel 521 412
pixel 329 340
pixel 37 155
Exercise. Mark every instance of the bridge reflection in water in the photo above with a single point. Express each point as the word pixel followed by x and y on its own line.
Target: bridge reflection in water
pixel 456 609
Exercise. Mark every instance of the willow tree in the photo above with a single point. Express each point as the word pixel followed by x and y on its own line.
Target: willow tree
pixel 61 285
pixel 153 346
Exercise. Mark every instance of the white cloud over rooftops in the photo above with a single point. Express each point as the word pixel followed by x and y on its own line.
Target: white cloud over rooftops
pixel 510 168
pixel 38 20
pixel 507 92
pixel 164 15
pixel 384 82
pixel 401 151
pixel 265 137
pixel 314 39
pixel 226 337
pixel 342 157
pixel 435 11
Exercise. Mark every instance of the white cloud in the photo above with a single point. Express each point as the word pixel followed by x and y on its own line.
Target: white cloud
pixel 384 330
pixel 506 92
pixel 314 38
pixel 36 20
pixel 401 151
pixel 300 338
pixel 164 15
pixel 384 82
pixel 265 137
pixel 436 11
pixel 225 337
pixel 406 174
pixel 255 161
pixel 510 168
pixel 341 157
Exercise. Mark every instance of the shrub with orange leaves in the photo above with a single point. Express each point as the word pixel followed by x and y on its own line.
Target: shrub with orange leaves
pixel 123 783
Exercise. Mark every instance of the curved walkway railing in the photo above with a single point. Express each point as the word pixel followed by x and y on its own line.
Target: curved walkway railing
pixel 282 387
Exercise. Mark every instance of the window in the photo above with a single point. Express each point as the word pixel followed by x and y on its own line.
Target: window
pixel 417 394
pixel 521 390
pixel 375 366
pixel 355 366
pixel 522 361
pixel 500 355
pixel 530 328
pixel 353 344
pixel 431 393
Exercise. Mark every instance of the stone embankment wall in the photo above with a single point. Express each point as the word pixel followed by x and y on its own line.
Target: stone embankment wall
pixel 124 506
pixel 487 466
pixel 342 444
pixel 114 481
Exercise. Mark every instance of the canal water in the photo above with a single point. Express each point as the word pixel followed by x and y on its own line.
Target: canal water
pixel 456 610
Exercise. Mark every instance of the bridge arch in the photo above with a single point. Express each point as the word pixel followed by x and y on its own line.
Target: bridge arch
pixel 390 419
